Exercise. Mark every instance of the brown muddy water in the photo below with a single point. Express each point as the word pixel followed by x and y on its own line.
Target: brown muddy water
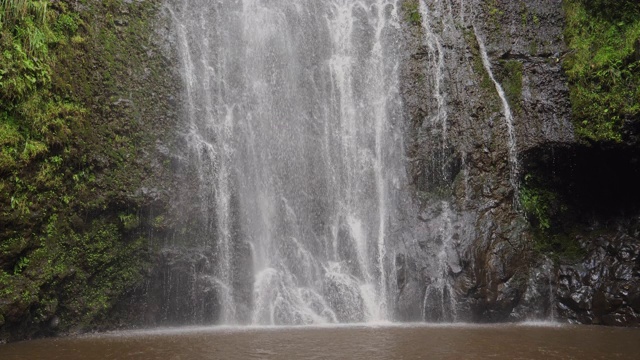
pixel 524 341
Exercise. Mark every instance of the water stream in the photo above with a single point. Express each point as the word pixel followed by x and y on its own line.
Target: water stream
pixel 439 302
pixel 508 115
pixel 293 120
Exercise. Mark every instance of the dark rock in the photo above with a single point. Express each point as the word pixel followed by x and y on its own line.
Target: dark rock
pixel 438 303
pixel 54 323
pixel 607 292
pixel 343 295
pixel 409 302
pixel 492 267
pixel 182 291
pixel 490 264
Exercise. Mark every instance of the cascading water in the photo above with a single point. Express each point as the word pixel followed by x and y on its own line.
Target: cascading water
pixel 294 129
pixel 508 115
pixel 439 302
pixel 436 64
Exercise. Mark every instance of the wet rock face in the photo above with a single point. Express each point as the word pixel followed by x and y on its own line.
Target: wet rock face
pixel 530 33
pixel 538 300
pixel 604 288
pixel 181 291
pixel 182 288
pixel 344 298
pixel 458 146
pixel 596 212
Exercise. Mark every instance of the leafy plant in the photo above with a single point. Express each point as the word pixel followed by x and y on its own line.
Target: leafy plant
pixel 537 203
pixel 603 66
pixel 22 263
pixel 549 214
pixel 12 11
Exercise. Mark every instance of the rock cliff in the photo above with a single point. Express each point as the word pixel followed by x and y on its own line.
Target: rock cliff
pixel 492 179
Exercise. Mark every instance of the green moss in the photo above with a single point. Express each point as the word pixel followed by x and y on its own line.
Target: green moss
pixel 494 13
pixel 478 67
pixel 511 79
pixel 603 66
pixel 412 14
pixel 67 23
pixel 70 158
pixel 549 216
pixel 129 221
pixel 488 89
pixel 159 222
pixel 527 17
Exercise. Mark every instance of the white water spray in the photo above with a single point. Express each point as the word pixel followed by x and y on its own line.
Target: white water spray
pixel 289 107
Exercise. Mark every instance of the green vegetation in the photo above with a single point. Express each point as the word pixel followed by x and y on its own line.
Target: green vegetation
pixel 72 140
pixel 603 69
pixel 549 215
pixel 537 203
pixel 411 10
pixel 478 67
pixel 511 78
pixel 486 84
pixel 495 14
pixel 528 17
pixel 603 66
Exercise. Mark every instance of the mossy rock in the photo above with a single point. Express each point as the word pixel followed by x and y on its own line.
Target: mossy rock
pixel 76 144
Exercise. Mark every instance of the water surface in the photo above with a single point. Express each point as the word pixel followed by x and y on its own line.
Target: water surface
pixel 530 341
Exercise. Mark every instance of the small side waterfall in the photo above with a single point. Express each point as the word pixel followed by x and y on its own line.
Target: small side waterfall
pixel 295 137
pixel 443 29
pixel 508 116
pixel 436 65
pixel 439 303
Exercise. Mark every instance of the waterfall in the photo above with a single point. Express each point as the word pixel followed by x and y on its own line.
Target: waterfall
pixel 293 126
pixel 511 135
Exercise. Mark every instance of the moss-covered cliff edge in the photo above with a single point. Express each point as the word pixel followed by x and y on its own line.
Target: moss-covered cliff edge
pixel 87 111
